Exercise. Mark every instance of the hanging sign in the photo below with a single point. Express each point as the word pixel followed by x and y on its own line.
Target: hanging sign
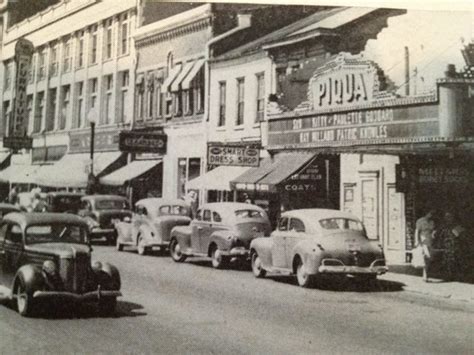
pixel 233 155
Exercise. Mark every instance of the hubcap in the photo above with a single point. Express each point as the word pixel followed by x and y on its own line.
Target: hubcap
pixel 301 274
pixel 176 250
pixel 21 300
pixel 257 265
pixel 216 257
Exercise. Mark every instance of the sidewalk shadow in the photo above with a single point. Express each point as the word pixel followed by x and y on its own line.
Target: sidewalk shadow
pixel 236 265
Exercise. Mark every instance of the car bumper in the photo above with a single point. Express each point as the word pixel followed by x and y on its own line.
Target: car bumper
pixel 70 296
pixel 328 266
pixel 240 252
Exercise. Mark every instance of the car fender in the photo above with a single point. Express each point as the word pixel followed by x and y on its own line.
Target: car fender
pixel 310 253
pixel 183 235
pixel 108 276
pixel 146 231
pixel 223 239
pixel 263 247
pixel 124 231
pixel 32 277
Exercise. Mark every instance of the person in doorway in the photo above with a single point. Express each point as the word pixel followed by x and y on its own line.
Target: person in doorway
pixel 191 200
pixel 425 227
pixel 246 198
pixel 13 196
pixel 38 204
pixel 450 238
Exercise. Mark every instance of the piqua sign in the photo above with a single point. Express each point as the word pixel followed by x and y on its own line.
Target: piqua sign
pixel 233 155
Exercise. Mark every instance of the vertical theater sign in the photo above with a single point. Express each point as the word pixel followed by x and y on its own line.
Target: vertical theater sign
pixel 18 123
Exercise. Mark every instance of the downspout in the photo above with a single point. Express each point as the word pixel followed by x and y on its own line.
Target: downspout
pixel 243 22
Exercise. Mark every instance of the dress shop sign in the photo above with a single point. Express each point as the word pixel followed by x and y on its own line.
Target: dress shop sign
pixel 233 155
pixel 17 138
pixel 346 105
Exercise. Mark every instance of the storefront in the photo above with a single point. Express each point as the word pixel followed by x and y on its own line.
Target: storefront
pixel 398 155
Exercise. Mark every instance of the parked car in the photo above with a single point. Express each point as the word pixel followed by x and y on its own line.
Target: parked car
pixel 101 212
pixel 6 208
pixel 151 224
pixel 63 201
pixel 221 231
pixel 314 242
pixel 46 256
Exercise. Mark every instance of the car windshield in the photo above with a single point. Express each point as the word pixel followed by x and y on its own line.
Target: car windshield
pixel 341 224
pixel 174 210
pixel 55 233
pixel 64 203
pixel 111 205
pixel 248 214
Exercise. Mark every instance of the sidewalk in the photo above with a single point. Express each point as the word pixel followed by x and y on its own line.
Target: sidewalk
pixel 452 290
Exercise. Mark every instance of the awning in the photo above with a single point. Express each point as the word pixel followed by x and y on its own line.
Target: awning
pixel 73 169
pixel 171 76
pixel 272 171
pixel 3 156
pixel 19 174
pixel 186 68
pixel 216 179
pixel 186 84
pixel 129 172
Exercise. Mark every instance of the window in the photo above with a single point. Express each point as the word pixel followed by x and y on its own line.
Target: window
pixel 93 92
pixel 158 101
pixel 280 74
pixel 341 223
pixel 31 70
pixel 178 104
pixel 93 45
pixel 39 111
pixel 65 102
pixel 260 97
pixel 80 49
pixel 80 104
pixel 29 108
pixel 108 102
pixel 206 216
pixel 53 70
pixel 222 98
pixel 216 217
pixel 140 100
pixel 108 37
pixel 283 224
pixel 296 225
pixel 240 101
pixel 188 102
pixel 150 95
pixel 188 169
pixel 111 205
pixel 58 232
pixel 124 35
pixel 51 108
pixel 67 56
pixel 8 75
pixel 42 65
pixel 244 214
pixel 124 82
pixel 7 114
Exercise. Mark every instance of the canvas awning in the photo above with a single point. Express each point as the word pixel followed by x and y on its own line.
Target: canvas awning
pixel 170 78
pixel 186 84
pixel 73 169
pixel 186 68
pixel 216 179
pixel 129 172
pixel 272 171
pixel 19 174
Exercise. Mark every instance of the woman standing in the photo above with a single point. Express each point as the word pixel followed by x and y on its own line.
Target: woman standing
pixel 425 227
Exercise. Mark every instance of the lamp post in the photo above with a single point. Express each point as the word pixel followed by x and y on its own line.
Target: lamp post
pixel 92 118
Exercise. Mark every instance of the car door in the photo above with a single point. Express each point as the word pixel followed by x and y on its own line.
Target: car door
pixel 196 228
pixel 206 230
pixel 13 250
pixel 278 246
pixel 296 232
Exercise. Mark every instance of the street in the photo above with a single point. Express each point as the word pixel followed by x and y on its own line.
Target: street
pixel 193 308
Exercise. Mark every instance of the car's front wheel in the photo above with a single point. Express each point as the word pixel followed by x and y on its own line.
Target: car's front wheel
pixel 175 251
pixel 304 279
pixel 24 300
pixel 218 260
pixel 257 268
pixel 141 248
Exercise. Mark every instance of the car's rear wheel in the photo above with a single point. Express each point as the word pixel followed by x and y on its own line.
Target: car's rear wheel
pixel 175 251
pixel 303 278
pixel 107 306
pixel 257 268
pixel 24 300
pixel 218 260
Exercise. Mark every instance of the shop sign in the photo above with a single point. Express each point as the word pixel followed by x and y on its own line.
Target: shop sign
pixel 79 142
pixel 233 155
pixel 16 143
pixel 310 179
pixel 371 126
pixel 142 142
pixel 443 175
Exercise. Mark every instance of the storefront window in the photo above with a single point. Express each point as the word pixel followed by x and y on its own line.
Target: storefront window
pixel 188 169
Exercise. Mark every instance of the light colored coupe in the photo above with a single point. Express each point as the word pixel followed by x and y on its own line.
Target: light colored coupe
pixel 312 242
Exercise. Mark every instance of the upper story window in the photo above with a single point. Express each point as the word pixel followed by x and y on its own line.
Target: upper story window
pixel 124 83
pixel 93 44
pixel 260 97
pixel 108 103
pixel 124 35
pixel 108 38
pixel 31 70
pixel 67 56
pixel 42 64
pixel 53 70
pixel 222 98
pixel 93 92
pixel 8 75
pixel 240 101
pixel 80 49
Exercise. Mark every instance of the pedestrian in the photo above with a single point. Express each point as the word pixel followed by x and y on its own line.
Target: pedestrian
pixel 38 204
pixel 425 227
pixel 191 200
pixel 13 196
pixel 246 198
pixel 450 237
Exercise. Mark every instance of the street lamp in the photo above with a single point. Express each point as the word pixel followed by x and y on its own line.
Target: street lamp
pixel 92 118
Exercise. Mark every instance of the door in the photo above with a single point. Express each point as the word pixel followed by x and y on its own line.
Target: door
pixel 394 219
pixel 278 246
pixel 12 252
pixel 370 209
pixel 296 232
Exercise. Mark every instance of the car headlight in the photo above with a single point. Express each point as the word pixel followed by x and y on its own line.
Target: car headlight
pixel 96 266
pixel 49 267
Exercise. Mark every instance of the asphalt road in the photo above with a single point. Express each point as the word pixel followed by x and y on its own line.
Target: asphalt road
pixel 192 308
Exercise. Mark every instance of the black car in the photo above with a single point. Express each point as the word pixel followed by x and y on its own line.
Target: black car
pixel 69 202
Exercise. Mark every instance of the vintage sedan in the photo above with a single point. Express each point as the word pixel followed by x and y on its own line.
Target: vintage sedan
pixel 314 242
pixel 47 256
pixel 101 212
pixel 63 201
pixel 221 231
pixel 151 224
